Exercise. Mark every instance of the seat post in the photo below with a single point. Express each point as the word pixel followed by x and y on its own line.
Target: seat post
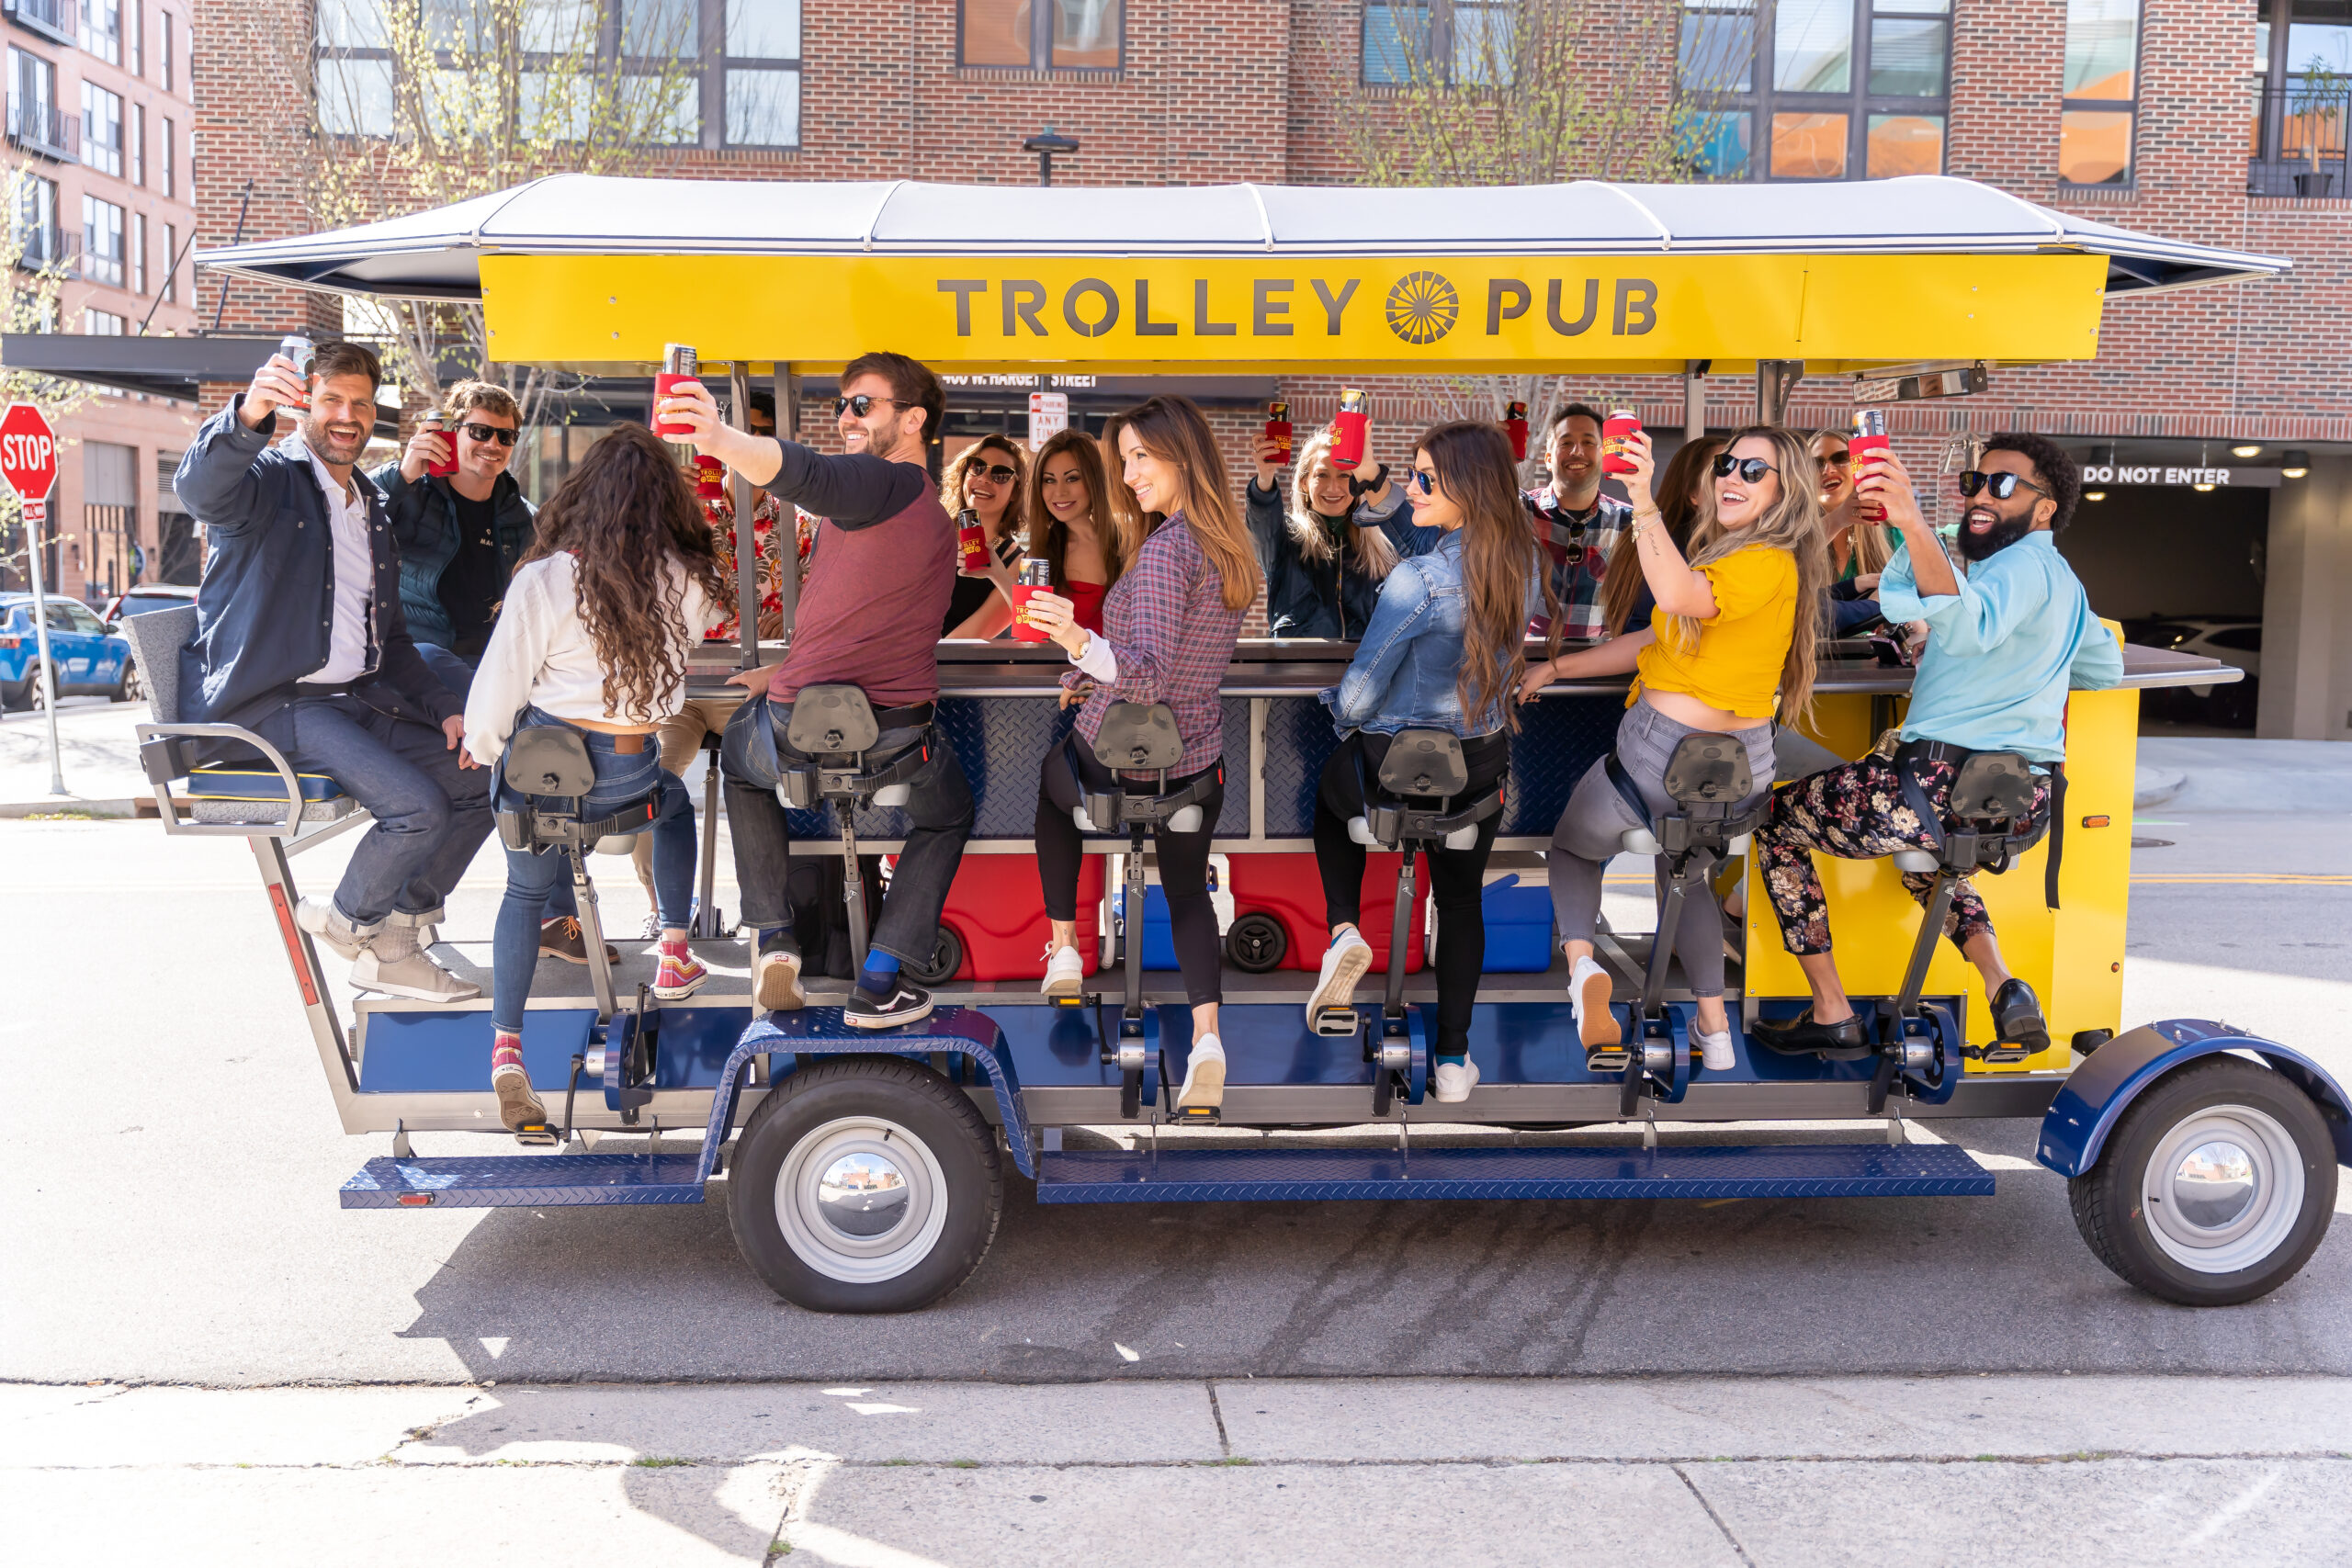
pixel 1133 964
pixel 1393 1003
pixel 592 927
pixel 853 880
pixel 708 926
pixel 1931 926
pixel 1669 920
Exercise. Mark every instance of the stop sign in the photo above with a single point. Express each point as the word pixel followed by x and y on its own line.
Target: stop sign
pixel 28 452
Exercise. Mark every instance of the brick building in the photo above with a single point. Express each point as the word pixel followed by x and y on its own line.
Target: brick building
pixel 100 122
pixel 2220 123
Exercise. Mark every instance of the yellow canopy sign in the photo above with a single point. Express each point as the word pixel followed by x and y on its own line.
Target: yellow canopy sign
pixel 1413 313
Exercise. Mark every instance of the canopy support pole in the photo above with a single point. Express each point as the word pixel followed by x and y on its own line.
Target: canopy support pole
pixel 788 428
pixel 1775 380
pixel 747 564
pixel 1694 398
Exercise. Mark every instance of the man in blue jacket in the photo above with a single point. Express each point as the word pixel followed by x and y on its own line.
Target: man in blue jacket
pixel 300 638
pixel 2006 644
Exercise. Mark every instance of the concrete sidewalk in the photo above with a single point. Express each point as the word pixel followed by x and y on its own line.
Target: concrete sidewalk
pixel 1759 1471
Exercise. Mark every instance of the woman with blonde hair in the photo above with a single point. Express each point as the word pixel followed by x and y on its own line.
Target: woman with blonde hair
pixel 1325 558
pixel 1169 626
pixel 1730 646
pixel 988 477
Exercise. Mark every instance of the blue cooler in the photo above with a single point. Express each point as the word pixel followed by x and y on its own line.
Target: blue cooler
pixel 1158 942
pixel 1517 903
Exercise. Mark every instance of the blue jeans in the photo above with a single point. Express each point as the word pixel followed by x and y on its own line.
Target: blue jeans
pixel 430 816
pixel 532 879
pixel 457 674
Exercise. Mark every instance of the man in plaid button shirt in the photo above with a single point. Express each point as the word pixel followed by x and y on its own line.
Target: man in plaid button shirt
pixel 1577 525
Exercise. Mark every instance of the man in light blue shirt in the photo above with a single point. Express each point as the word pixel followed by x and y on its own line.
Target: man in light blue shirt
pixel 2005 646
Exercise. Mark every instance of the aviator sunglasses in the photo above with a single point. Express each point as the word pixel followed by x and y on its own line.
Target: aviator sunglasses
pixel 862 404
pixel 997 471
pixel 1751 469
pixel 2000 482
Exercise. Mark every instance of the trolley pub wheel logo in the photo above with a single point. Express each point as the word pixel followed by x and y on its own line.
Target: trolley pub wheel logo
pixel 1422 308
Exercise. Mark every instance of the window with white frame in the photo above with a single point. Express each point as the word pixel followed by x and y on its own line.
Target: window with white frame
pixel 101 129
pixel 102 29
pixel 101 242
pixel 101 323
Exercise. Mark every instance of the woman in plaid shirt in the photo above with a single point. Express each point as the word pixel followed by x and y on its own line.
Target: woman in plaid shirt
pixel 1169 626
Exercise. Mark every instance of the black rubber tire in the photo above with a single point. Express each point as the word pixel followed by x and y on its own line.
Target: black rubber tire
pixel 130 688
pixel 946 957
pixel 917 1099
pixel 2107 1200
pixel 1257 943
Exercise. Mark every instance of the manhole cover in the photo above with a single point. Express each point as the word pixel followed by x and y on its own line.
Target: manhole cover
pixel 2151 844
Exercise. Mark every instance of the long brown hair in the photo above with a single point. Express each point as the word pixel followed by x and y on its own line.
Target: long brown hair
pixel 1790 523
pixel 1684 472
pixel 1175 431
pixel 627 512
pixel 1049 535
pixel 951 483
pixel 1499 555
pixel 1311 530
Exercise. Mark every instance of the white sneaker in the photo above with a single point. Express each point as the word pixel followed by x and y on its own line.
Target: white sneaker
pixel 1065 972
pixel 325 921
pixel 413 975
pixel 1453 1083
pixel 1716 1053
pixel 1344 962
pixel 1204 1075
pixel 1589 989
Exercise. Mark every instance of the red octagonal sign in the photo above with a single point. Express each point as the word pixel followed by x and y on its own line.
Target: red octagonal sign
pixel 28 451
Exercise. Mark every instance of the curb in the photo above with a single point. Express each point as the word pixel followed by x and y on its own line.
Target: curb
pixel 2154 787
pixel 107 810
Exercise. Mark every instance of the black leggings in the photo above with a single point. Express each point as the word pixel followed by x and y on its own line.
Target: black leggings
pixel 1183 864
pixel 1456 876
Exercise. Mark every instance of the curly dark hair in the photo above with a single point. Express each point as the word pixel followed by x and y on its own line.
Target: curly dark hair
pixel 2059 473
pixel 626 511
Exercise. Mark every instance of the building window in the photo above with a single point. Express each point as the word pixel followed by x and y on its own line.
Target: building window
pixel 101 242
pixel 2302 51
pixel 1042 35
pixel 1838 89
pixel 2102 92
pixel 171 263
pixel 139 253
pixel 101 129
pixel 168 26
pixel 34 121
pixel 102 29
pixel 747 92
pixel 138 37
pixel 39 243
pixel 171 136
pixel 139 145
pixel 1439 42
pixel 101 323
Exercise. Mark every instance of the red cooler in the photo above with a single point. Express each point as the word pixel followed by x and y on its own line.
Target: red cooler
pixel 1290 888
pixel 997 909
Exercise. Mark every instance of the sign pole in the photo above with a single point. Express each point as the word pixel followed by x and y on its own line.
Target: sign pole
pixel 36 516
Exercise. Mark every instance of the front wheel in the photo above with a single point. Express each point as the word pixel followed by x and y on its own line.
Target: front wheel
pixel 864 1184
pixel 131 688
pixel 2215 1186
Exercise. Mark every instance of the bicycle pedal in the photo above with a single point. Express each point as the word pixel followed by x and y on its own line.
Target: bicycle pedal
pixel 1338 1022
pixel 2005 1054
pixel 535 1136
pixel 1067 1001
pixel 1196 1116
pixel 1609 1062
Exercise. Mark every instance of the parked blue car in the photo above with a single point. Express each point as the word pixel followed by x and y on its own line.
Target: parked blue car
pixel 85 657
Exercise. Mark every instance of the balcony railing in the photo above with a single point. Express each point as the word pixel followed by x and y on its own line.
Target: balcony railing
pixel 59 19
pixel 2296 142
pixel 47 247
pixel 51 133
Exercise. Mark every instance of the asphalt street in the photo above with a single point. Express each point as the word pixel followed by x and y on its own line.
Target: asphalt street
pixel 173 1165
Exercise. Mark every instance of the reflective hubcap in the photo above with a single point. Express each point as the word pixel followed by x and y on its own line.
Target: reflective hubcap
pixel 2223 1189
pixel 2214 1184
pixel 862 1195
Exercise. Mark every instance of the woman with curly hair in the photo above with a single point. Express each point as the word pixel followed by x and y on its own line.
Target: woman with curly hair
pixel 1326 557
pixel 619 584
pixel 989 477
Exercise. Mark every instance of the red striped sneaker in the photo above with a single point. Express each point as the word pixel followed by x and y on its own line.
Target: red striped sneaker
pixel 680 976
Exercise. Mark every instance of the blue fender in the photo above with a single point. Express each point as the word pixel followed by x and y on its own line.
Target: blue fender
pixel 2075 1128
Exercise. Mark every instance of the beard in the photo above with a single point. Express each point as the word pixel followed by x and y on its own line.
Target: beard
pixel 2004 533
pixel 346 450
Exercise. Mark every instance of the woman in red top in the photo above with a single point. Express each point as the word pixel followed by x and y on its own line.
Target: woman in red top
pixel 1070 525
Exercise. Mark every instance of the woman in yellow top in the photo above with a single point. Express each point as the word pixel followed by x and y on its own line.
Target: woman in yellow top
pixel 1729 646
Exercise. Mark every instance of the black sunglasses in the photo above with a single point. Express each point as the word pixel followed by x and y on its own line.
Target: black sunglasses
pixel 1425 482
pixel 503 437
pixel 862 404
pixel 2002 484
pixel 1841 457
pixel 1751 469
pixel 997 471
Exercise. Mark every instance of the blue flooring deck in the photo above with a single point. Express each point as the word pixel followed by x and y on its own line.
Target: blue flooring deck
pixel 525 1182
pixel 1780 1170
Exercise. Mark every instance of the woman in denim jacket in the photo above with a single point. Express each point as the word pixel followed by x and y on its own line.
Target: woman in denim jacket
pixel 1443 652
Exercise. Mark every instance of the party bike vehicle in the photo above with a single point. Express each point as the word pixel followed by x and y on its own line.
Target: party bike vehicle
pixel 865 1172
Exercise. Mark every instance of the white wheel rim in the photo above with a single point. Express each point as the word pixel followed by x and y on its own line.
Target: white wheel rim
pixel 861 1200
pixel 2223 1189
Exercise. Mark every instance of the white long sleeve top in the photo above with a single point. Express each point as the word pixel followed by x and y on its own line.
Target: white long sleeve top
pixel 540 655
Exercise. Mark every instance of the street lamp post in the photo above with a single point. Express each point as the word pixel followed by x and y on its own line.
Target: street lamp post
pixel 1046 146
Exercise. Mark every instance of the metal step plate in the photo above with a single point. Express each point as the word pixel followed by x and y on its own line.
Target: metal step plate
pixel 525 1182
pixel 1776 1170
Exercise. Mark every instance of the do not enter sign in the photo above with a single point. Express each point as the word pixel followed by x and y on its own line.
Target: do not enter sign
pixel 28 452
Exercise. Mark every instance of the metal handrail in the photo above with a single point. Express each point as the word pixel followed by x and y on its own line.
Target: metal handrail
pixel 2297 139
pixel 290 830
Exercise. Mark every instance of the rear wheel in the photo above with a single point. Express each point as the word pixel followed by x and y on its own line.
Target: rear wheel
pixel 866 1184
pixel 41 688
pixel 1256 945
pixel 130 688
pixel 2215 1186
pixel 946 958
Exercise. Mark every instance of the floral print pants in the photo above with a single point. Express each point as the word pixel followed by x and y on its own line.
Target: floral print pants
pixel 1857 812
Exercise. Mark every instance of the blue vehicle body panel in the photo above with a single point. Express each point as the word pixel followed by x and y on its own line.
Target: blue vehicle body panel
pixel 525 1182
pixel 2075 1129
pixel 1781 1170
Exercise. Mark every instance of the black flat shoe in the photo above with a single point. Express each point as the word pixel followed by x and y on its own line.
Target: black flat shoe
pixel 1847 1040
pixel 906 1004
pixel 2017 1017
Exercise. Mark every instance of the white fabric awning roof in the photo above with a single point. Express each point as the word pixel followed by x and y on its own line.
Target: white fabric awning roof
pixel 435 254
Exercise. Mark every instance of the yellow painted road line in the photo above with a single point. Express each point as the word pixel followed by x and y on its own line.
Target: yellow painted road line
pixel 2252 878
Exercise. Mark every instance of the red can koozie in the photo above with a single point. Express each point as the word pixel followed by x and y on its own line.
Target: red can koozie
pixel 1037 576
pixel 972 540
pixel 1869 439
pixel 679 365
pixel 1348 429
pixel 1278 428
pixel 441 466
pixel 711 478
pixel 1620 424
pixel 1515 426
